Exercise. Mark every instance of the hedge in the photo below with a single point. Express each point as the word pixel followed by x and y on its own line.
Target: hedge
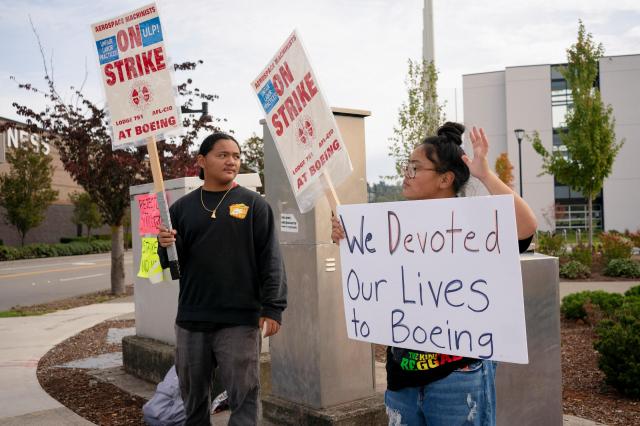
pixel 33 251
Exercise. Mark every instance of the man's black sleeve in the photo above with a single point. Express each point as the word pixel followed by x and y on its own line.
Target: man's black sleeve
pixel 273 279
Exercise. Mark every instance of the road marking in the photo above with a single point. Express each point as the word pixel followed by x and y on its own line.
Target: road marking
pixel 80 278
pixel 97 257
pixel 26 274
pixel 77 268
pixel 47 265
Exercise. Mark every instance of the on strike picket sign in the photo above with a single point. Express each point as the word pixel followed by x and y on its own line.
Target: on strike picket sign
pixel 301 123
pixel 437 276
pixel 137 76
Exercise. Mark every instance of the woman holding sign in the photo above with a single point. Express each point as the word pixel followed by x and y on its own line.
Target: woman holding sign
pixel 431 388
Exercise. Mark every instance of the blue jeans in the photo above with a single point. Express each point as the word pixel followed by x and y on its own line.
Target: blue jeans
pixel 464 397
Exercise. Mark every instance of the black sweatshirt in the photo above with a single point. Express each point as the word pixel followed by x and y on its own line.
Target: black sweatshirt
pixel 231 269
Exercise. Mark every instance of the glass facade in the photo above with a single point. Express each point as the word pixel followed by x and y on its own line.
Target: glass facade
pixel 571 205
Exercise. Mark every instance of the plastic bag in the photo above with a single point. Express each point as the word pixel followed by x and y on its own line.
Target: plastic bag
pixel 165 408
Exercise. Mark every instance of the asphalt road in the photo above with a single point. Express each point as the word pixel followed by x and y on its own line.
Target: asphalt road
pixel 32 281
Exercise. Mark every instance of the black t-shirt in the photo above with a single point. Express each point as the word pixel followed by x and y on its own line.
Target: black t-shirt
pixel 410 368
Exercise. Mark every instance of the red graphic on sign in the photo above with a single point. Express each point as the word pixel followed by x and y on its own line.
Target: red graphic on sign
pixel 305 131
pixel 140 95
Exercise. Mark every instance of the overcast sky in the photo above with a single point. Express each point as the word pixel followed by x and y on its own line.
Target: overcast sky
pixel 358 48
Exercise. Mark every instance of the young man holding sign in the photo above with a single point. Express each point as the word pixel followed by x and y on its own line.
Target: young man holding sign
pixel 426 388
pixel 232 284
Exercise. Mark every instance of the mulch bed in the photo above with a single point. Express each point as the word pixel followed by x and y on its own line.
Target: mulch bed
pixel 584 392
pixel 100 403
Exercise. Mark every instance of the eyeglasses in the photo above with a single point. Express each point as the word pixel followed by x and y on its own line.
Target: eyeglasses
pixel 410 169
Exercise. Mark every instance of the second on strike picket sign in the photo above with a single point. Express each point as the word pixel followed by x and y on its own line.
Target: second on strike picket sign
pixel 436 276
pixel 136 74
pixel 301 123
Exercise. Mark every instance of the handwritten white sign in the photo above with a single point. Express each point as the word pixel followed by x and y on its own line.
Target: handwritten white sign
pixel 436 275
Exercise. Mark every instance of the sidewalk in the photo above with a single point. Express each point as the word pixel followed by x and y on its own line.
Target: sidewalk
pixel 24 340
pixel 568 287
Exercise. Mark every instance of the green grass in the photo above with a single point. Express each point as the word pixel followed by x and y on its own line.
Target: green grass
pixel 21 313
pixel 57 305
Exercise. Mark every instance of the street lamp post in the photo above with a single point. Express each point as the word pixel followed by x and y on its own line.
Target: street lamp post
pixel 204 110
pixel 519 135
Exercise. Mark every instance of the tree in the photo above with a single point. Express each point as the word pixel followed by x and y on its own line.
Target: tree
pixel 504 169
pixel 25 192
pixel 253 156
pixel 85 211
pixel 80 133
pixel 419 116
pixel 381 192
pixel 589 138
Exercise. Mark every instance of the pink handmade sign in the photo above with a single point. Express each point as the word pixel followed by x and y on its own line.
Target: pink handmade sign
pixel 149 214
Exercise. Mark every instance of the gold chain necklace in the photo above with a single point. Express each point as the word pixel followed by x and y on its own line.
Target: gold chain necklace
pixel 213 212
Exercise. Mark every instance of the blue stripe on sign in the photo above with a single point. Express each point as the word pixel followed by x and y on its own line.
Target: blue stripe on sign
pixel 151 31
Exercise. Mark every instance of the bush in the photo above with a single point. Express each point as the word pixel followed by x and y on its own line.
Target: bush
pixel 619 347
pixel 33 251
pixel 633 292
pixel 622 268
pixel 615 246
pixel 582 254
pixel 573 305
pixel 574 269
pixel 8 253
pixel 67 240
pixel 550 244
pixel 634 237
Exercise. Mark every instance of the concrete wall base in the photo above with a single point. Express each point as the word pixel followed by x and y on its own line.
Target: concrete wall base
pixel 367 411
pixel 147 359
pixel 150 360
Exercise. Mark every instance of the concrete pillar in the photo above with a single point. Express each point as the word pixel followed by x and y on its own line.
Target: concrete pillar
pixel 314 366
pixel 531 394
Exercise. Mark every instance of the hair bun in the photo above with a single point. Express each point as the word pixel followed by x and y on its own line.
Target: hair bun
pixel 452 131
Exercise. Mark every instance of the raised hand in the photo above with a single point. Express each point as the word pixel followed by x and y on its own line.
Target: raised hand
pixel 479 166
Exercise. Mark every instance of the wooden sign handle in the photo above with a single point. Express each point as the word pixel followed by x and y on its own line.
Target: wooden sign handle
pixel 330 192
pixel 163 206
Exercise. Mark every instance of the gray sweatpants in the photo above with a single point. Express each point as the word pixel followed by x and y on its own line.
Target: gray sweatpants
pixel 235 351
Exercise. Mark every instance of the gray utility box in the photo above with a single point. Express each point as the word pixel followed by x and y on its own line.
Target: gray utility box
pixel 531 394
pixel 156 304
pixel 314 365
